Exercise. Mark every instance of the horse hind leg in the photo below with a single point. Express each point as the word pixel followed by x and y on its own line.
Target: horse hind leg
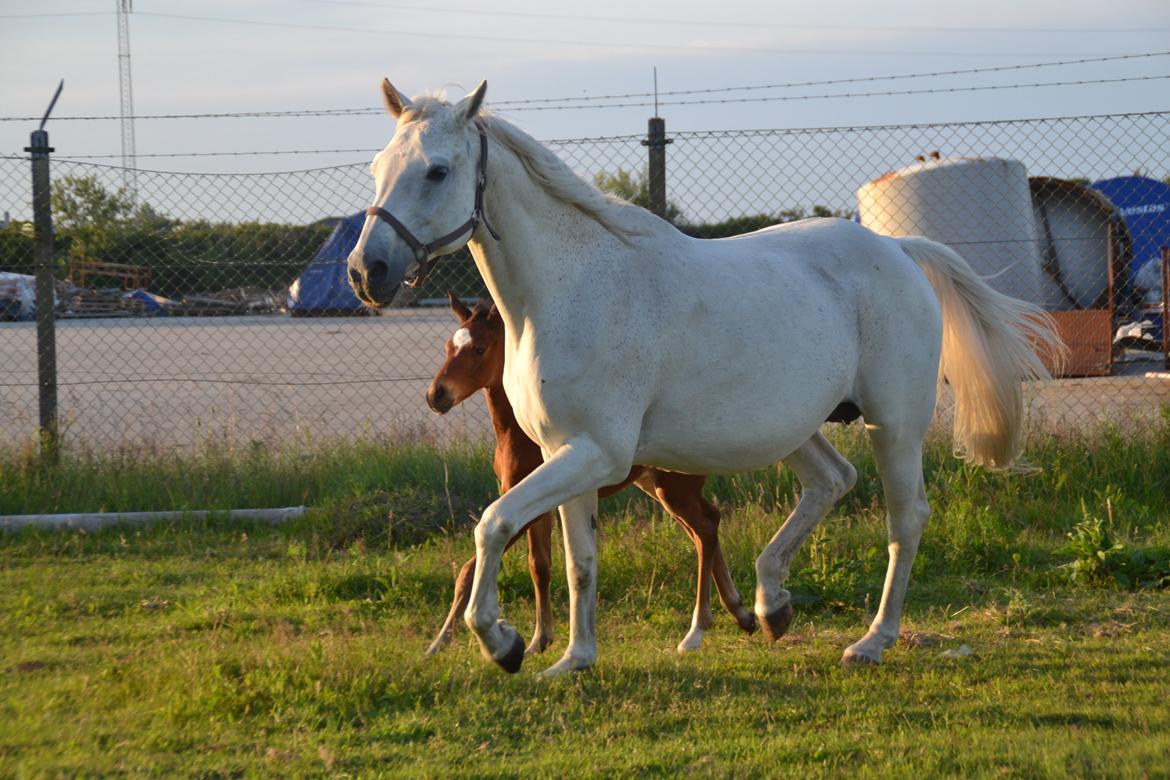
pixel 824 478
pixel 899 460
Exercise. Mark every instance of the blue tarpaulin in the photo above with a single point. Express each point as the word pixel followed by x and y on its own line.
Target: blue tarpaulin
pixel 1145 205
pixel 323 287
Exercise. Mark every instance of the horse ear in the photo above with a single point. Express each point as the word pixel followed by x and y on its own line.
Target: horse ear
pixel 493 312
pixel 468 107
pixel 461 311
pixel 395 101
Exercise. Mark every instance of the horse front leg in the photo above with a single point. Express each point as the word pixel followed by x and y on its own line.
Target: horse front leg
pixel 579 529
pixel 574 469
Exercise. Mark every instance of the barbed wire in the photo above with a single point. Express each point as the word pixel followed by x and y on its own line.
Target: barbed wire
pixel 881 93
pixel 209 381
pixel 567 142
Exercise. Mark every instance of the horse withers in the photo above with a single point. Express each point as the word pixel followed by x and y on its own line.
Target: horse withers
pixel 697 356
pixel 475 361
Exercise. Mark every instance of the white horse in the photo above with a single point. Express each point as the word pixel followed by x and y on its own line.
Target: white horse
pixel 628 342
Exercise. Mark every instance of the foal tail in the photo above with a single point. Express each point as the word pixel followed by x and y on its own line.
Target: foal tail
pixel 990 345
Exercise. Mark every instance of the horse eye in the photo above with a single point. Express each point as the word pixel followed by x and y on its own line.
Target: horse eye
pixel 436 173
pixel 480 350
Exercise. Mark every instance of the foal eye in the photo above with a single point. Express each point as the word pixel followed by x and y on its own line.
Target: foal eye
pixel 480 350
pixel 436 173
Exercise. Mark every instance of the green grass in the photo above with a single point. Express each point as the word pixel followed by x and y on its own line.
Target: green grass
pixel 214 650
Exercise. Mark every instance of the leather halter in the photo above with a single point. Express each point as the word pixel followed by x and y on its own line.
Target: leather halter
pixel 424 254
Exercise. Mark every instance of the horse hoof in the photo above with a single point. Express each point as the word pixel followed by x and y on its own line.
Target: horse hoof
pixel 852 660
pixel 441 641
pixel 776 623
pixel 537 646
pixel 511 661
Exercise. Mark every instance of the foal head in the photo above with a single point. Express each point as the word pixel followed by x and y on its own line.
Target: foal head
pixel 475 356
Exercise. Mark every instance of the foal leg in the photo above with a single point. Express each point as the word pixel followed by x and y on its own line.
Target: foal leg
pixel 574 469
pixel 539 566
pixel 682 497
pixel 824 477
pixel 724 585
pixel 899 460
pixel 465 577
pixel 459 603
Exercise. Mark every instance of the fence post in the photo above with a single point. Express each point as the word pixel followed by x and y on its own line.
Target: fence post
pixel 1165 258
pixel 39 150
pixel 656 142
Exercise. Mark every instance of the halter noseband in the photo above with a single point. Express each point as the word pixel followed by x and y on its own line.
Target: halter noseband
pixel 423 253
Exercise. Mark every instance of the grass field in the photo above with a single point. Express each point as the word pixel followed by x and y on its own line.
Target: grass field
pixel 212 650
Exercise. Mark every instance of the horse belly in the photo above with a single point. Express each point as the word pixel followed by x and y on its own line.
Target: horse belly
pixel 746 420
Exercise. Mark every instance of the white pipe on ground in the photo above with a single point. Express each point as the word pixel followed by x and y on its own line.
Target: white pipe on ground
pixel 93 521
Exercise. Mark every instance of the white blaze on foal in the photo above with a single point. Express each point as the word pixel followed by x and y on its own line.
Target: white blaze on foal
pixel 461 338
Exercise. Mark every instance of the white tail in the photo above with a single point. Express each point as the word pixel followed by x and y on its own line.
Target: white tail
pixel 989 346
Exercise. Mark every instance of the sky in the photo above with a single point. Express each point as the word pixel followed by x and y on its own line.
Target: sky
pixel 256 55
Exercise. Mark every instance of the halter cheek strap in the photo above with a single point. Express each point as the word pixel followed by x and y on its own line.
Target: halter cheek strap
pixel 424 254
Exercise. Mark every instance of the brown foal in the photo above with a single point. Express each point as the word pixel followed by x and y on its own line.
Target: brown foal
pixel 475 360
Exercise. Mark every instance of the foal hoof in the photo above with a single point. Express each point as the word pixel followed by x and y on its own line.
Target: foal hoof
pixel 511 661
pixel 776 623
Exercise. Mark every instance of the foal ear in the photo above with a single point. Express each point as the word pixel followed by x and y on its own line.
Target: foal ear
pixel 461 311
pixel 468 107
pixel 395 101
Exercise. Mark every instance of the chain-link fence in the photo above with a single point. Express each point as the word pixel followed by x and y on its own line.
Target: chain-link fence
pixel 197 307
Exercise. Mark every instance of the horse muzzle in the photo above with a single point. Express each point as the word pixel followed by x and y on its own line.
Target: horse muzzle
pixel 439 398
pixel 375 280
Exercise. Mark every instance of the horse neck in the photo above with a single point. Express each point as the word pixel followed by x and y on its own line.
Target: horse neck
pixel 541 237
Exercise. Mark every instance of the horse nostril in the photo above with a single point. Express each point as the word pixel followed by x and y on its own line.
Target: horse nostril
pixel 438 399
pixel 377 272
pixel 355 278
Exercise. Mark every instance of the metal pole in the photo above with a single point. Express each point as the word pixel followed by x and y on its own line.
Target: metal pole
pixel 656 142
pixel 1165 306
pixel 39 150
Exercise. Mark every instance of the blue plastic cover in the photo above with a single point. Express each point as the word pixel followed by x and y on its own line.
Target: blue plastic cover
pixel 1145 205
pixel 324 285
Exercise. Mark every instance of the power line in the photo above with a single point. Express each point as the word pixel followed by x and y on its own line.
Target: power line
pixel 68 13
pixel 856 80
pixel 660 21
pixel 520 105
pixel 412 34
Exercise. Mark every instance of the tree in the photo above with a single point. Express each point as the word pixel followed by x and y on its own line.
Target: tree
pixel 80 201
pixel 635 189
pixel 88 213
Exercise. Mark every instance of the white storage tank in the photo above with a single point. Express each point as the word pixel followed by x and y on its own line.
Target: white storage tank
pixel 981 207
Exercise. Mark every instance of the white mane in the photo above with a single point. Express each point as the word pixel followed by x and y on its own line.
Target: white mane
pixel 619 217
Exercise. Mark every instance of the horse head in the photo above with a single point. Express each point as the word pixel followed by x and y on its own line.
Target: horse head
pixel 427 181
pixel 475 356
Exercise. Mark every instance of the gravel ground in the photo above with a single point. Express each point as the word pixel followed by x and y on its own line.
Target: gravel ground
pixel 178 382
